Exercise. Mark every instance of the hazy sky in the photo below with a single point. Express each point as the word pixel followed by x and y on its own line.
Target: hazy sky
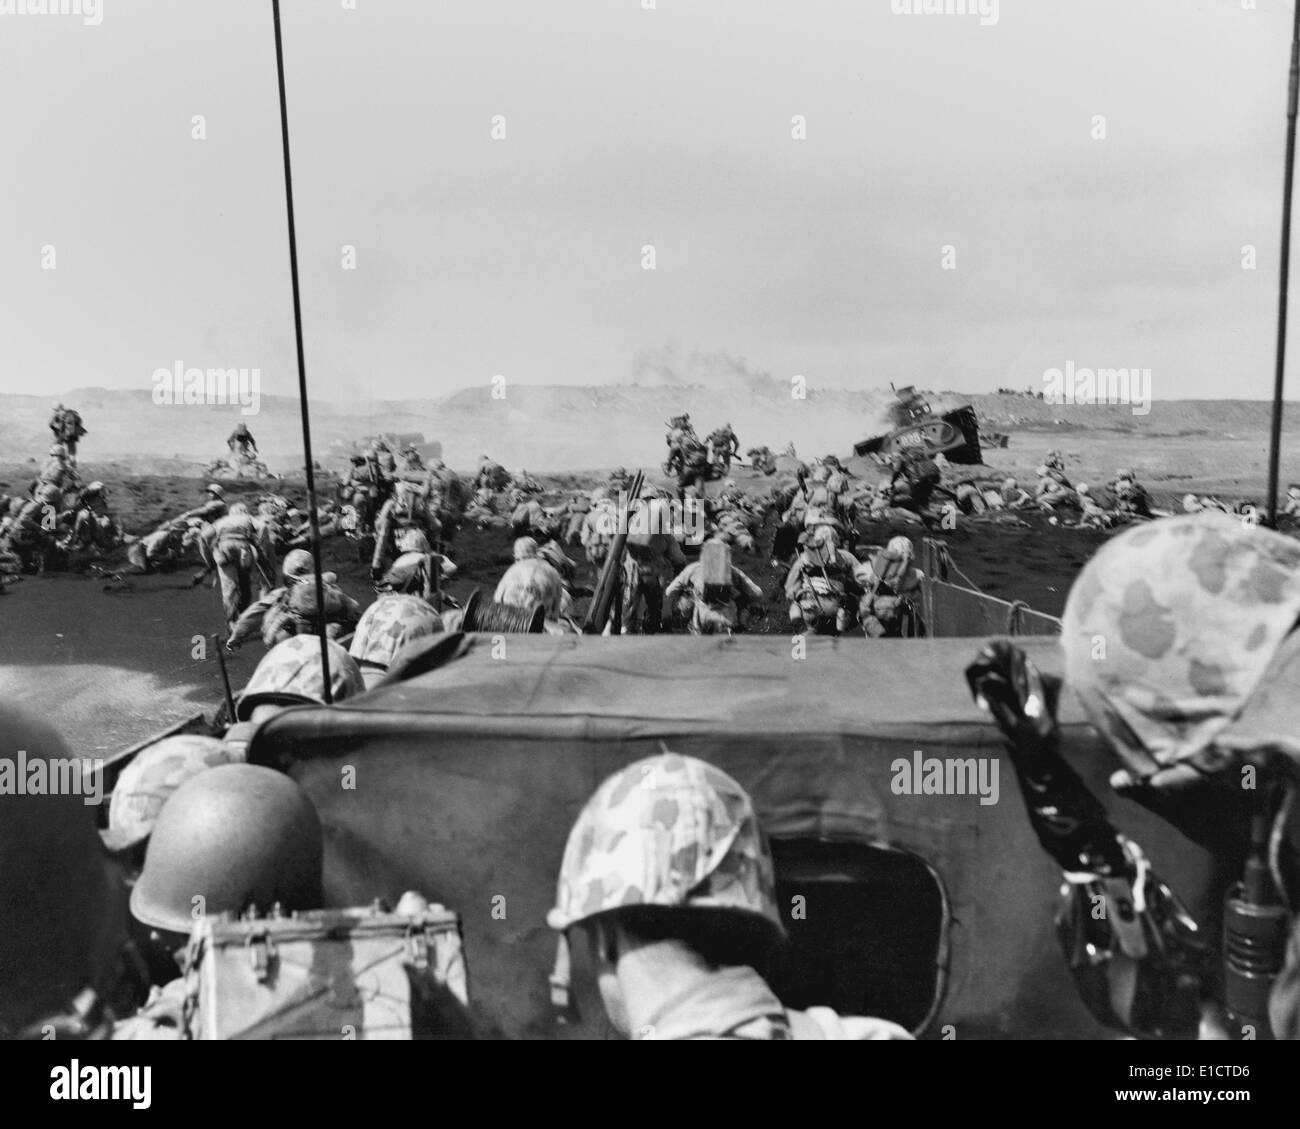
pixel 627 127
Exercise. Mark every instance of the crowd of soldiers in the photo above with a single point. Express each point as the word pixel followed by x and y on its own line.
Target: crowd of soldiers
pixel 667 873
pixel 59 516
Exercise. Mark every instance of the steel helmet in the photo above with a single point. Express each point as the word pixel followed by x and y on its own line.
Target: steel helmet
pixel 57 899
pixel 411 540
pixel 1009 484
pixel 389 624
pixel 899 549
pixel 147 782
pixel 238 835
pixel 213 488
pixel 1081 488
pixel 95 487
pixel 525 547
pixel 290 674
pixel 1171 627
pixel 297 565
pixel 667 831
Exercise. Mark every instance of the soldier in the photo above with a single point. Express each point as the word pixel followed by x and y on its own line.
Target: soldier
pixel 167 544
pixel 239 836
pixel 1054 488
pixel 723 447
pixel 93 526
pixel 341 611
pixel 290 674
pixel 67 428
pixel 34 528
pixel 242 444
pixel 921 477
pixel 67 967
pixel 525 483
pixel 668 876
pixel 821 583
pixel 265 614
pixel 1193 695
pixel 1013 497
pixel 212 508
pixel 412 573
pixel 384 460
pixel 1091 515
pixel 56 471
pixel 406 509
pixel 388 625
pixel 362 489
pixel 531 581
pixel 890 587
pixel 147 781
pixel 1131 498
pixel 491 475
pixel 712 611
pixel 599 525
pixel 1292 507
pixel 239 549
pixel 619 480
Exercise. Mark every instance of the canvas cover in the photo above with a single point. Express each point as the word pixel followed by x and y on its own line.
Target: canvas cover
pixel 464 780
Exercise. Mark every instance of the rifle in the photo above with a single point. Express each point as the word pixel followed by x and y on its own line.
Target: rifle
pixel 611 573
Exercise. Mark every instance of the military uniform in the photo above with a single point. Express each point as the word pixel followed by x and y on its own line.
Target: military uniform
pixel 240 551
pixel 819 585
pixel 676 833
pixel 719 615
pixel 406 509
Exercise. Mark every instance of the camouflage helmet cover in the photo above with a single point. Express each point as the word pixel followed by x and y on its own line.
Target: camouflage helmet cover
pixel 668 831
pixel 389 624
pixel 290 674
pixel 151 777
pixel 1171 627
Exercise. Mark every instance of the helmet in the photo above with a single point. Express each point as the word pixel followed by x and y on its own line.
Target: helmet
pixel 147 782
pixel 289 675
pixel 599 494
pixel 1009 484
pixel 1043 471
pixel 525 547
pixel 214 489
pixel 302 597
pixel 235 836
pixel 95 487
pixel 57 896
pixel 389 624
pixel 667 831
pixel 1191 504
pixel 1125 474
pixel 297 565
pixel 899 549
pixel 1082 488
pixel 1189 613
pixel 412 540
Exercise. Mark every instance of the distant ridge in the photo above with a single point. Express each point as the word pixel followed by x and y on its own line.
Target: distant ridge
pixel 561 427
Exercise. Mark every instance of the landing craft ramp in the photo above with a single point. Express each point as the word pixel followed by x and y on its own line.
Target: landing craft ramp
pixel 934 910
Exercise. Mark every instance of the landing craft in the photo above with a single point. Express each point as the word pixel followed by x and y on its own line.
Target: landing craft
pixel 954 434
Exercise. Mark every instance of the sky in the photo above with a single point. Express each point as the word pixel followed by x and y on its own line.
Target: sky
pixel 931 142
